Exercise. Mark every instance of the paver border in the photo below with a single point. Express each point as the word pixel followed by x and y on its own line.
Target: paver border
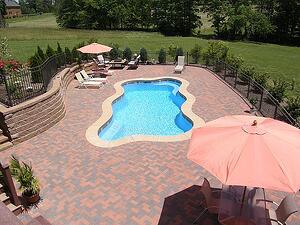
pixel 107 113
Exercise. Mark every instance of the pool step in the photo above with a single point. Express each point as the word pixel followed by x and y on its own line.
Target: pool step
pixel 114 128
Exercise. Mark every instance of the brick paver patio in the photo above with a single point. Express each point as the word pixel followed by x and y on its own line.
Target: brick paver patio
pixel 83 184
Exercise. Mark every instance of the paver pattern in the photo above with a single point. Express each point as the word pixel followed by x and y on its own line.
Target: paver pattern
pixel 83 184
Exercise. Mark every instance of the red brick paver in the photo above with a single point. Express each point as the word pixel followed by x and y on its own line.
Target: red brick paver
pixel 84 184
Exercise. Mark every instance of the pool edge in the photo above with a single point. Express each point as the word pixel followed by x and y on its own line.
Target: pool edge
pixel 107 113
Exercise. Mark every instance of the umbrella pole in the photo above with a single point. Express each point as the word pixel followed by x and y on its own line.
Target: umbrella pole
pixel 243 199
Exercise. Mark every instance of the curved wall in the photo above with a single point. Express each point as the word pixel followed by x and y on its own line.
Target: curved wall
pixel 34 116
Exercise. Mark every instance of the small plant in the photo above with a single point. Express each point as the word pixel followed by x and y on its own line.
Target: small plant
pixel 23 173
pixel 144 55
pixel 172 50
pixel 278 89
pixel 127 54
pixel 179 52
pixel 261 78
pixel 41 54
pixel 59 50
pixel 75 54
pixel 115 52
pixel 4 52
pixel 247 72
pixel 216 51
pixel 68 55
pixel 49 52
pixel 253 101
pixel 235 62
pixel 196 53
pixel 293 106
pixel 92 40
pixel 162 56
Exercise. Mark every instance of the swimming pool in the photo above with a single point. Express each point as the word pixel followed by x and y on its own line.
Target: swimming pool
pixel 147 108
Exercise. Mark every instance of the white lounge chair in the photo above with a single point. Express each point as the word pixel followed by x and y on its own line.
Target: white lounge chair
pixel 86 83
pixel 102 60
pixel 133 64
pixel 86 77
pixel 180 64
pixel 100 65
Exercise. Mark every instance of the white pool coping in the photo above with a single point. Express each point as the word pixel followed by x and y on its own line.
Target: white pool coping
pixel 107 113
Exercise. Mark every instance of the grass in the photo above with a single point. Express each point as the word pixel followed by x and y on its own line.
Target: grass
pixel 25 34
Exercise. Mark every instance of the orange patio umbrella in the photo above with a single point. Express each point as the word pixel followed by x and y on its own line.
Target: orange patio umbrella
pixel 94 48
pixel 249 151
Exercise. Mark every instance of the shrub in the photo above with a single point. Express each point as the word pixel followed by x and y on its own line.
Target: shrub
pixel 127 54
pixel 4 52
pixel 247 72
pixel 115 52
pixel 196 53
pixel 92 40
pixel 68 55
pixel 261 78
pixel 293 106
pixel 278 89
pixel 41 54
pixel 216 51
pixel 75 54
pixel 35 61
pixel 162 56
pixel 59 50
pixel 172 51
pixel 49 52
pixel 143 54
pixel 235 62
pixel 179 52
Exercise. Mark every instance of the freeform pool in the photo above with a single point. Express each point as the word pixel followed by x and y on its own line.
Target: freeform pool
pixel 147 108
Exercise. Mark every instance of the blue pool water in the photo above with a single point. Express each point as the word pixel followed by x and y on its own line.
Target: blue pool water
pixel 147 108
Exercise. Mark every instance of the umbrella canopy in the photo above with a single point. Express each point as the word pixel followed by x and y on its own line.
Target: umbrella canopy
pixel 94 48
pixel 249 151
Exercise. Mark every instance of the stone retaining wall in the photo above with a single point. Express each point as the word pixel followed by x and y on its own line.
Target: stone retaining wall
pixel 34 116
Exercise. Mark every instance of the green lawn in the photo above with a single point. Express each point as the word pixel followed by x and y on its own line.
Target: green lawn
pixel 25 34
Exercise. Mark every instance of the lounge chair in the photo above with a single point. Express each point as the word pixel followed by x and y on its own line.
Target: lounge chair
pixel 283 211
pixel 86 77
pixel 211 202
pixel 133 64
pixel 102 60
pixel 86 83
pixel 100 65
pixel 180 64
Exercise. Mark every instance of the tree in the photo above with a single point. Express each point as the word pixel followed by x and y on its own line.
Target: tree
pixel 127 54
pixel 196 53
pixel 2 13
pixel 49 52
pixel 144 55
pixel 162 56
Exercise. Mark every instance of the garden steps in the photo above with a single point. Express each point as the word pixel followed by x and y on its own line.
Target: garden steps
pixel 15 209
pixel 5 145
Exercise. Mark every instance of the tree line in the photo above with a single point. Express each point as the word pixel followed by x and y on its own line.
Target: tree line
pixel 258 20
pixel 171 17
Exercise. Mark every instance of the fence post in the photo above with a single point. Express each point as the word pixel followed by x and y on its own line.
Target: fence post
pixel 10 103
pixel 235 80
pixel 261 99
pixel 187 57
pixel 10 184
pixel 249 83
pixel 275 113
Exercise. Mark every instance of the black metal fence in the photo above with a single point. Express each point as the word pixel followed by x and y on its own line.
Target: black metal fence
pixel 257 95
pixel 26 83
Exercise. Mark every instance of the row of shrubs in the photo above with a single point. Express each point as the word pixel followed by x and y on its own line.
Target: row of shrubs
pixel 217 51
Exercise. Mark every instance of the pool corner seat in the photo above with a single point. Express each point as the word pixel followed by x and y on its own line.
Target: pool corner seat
pixel 180 64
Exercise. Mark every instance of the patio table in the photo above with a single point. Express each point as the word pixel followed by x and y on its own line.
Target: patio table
pixel 238 210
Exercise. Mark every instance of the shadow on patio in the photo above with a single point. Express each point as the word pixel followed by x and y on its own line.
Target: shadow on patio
pixel 184 207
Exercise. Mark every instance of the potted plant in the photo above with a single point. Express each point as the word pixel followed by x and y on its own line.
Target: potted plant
pixel 29 184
